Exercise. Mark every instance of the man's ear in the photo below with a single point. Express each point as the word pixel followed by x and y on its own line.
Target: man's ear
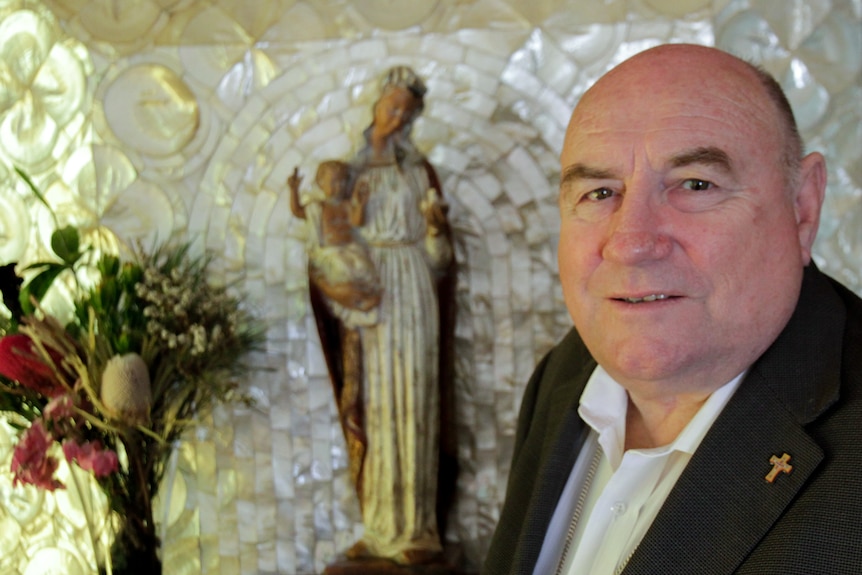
pixel 808 200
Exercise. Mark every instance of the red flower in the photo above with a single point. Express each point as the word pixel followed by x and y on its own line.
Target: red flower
pixel 91 456
pixel 31 462
pixel 20 362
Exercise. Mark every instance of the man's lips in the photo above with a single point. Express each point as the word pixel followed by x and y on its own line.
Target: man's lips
pixel 645 298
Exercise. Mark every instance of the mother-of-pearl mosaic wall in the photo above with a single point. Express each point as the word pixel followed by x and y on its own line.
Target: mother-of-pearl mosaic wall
pixel 148 119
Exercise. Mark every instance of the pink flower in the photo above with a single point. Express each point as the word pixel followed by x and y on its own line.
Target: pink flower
pixel 59 416
pixel 91 456
pixel 31 462
pixel 61 407
pixel 19 362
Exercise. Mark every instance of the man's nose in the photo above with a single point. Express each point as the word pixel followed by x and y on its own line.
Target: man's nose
pixel 636 233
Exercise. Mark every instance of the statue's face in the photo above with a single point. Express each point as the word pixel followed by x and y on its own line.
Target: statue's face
pixel 333 181
pixel 393 110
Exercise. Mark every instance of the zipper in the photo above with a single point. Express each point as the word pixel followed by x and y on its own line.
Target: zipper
pixel 625 563
pixel 582 497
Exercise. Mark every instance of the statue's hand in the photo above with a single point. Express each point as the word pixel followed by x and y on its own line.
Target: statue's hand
pixel 435 210
pixel 294 180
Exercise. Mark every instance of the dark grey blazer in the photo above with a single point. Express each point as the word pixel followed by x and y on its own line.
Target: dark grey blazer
pixel 802 397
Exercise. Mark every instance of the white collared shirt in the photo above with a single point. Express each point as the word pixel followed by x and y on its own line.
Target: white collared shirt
pixel 627 488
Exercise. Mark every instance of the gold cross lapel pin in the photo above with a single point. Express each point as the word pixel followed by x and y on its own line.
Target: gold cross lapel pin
pixel 779 465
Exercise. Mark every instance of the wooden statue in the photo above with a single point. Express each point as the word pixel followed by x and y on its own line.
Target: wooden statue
pixel 387 328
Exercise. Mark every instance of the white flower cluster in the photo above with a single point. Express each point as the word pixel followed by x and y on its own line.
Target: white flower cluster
pixel 184 311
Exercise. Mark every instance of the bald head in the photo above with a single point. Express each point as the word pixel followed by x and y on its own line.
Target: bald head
pixel 688 72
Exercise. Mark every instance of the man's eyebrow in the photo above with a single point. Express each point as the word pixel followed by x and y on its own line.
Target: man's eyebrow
pixel 584 172
pixel 709 156
pixel 705 155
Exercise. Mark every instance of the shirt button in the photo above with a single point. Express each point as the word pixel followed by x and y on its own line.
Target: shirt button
pixel 618 508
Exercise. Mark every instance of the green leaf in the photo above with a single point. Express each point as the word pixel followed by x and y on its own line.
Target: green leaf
pixel 23 175
pixel 66 243
pixel 130 274
pixel 107 296
pixel 123 344
pixel 38 286
pixel 32 186
pixel 39 265
pixel 109 265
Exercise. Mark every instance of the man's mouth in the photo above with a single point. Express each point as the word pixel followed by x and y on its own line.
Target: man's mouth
pixel 645 299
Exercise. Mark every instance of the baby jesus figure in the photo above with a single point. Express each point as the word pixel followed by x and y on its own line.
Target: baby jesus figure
pixel 339 264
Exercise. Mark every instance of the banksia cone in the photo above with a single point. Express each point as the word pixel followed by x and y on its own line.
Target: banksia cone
pixel 126 390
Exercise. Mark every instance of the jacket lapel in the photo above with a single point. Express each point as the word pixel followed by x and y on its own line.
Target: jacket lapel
pixel 559 451
pixel 722 505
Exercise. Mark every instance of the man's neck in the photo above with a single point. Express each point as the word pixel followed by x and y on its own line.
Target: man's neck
pixel 654 422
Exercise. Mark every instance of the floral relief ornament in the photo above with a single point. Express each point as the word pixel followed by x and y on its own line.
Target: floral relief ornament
pixel 151 347
pixel 42 85
pixel 101 194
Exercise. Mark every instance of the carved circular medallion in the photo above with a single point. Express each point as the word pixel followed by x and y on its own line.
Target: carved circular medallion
pixel 152 110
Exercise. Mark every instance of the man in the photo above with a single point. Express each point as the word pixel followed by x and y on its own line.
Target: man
pixel 704 415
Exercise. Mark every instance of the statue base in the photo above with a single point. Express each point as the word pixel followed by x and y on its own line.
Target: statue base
pixel 378 566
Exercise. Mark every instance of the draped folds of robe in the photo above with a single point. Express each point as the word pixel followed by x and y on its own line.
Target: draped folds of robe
pixel 386 371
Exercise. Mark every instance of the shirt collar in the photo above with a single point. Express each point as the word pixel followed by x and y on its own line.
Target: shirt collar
pixel 603 407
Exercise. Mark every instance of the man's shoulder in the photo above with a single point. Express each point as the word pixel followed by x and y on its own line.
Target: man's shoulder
pixel 852 301
pixel 851 370
pixel 851 354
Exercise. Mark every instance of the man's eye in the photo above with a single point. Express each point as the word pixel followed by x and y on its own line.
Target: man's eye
pixel 696 185
pixel 600 194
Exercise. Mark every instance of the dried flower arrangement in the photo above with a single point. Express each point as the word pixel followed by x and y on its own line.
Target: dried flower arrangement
pixel 152 346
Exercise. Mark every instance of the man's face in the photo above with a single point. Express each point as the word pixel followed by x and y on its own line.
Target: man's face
pixel 680 253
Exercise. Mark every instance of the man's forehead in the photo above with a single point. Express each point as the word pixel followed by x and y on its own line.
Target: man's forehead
pixel 670 127
pixel 669 104
pixel 664 103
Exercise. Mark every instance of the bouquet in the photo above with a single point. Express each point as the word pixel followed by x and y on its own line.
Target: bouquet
pixel 151 347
